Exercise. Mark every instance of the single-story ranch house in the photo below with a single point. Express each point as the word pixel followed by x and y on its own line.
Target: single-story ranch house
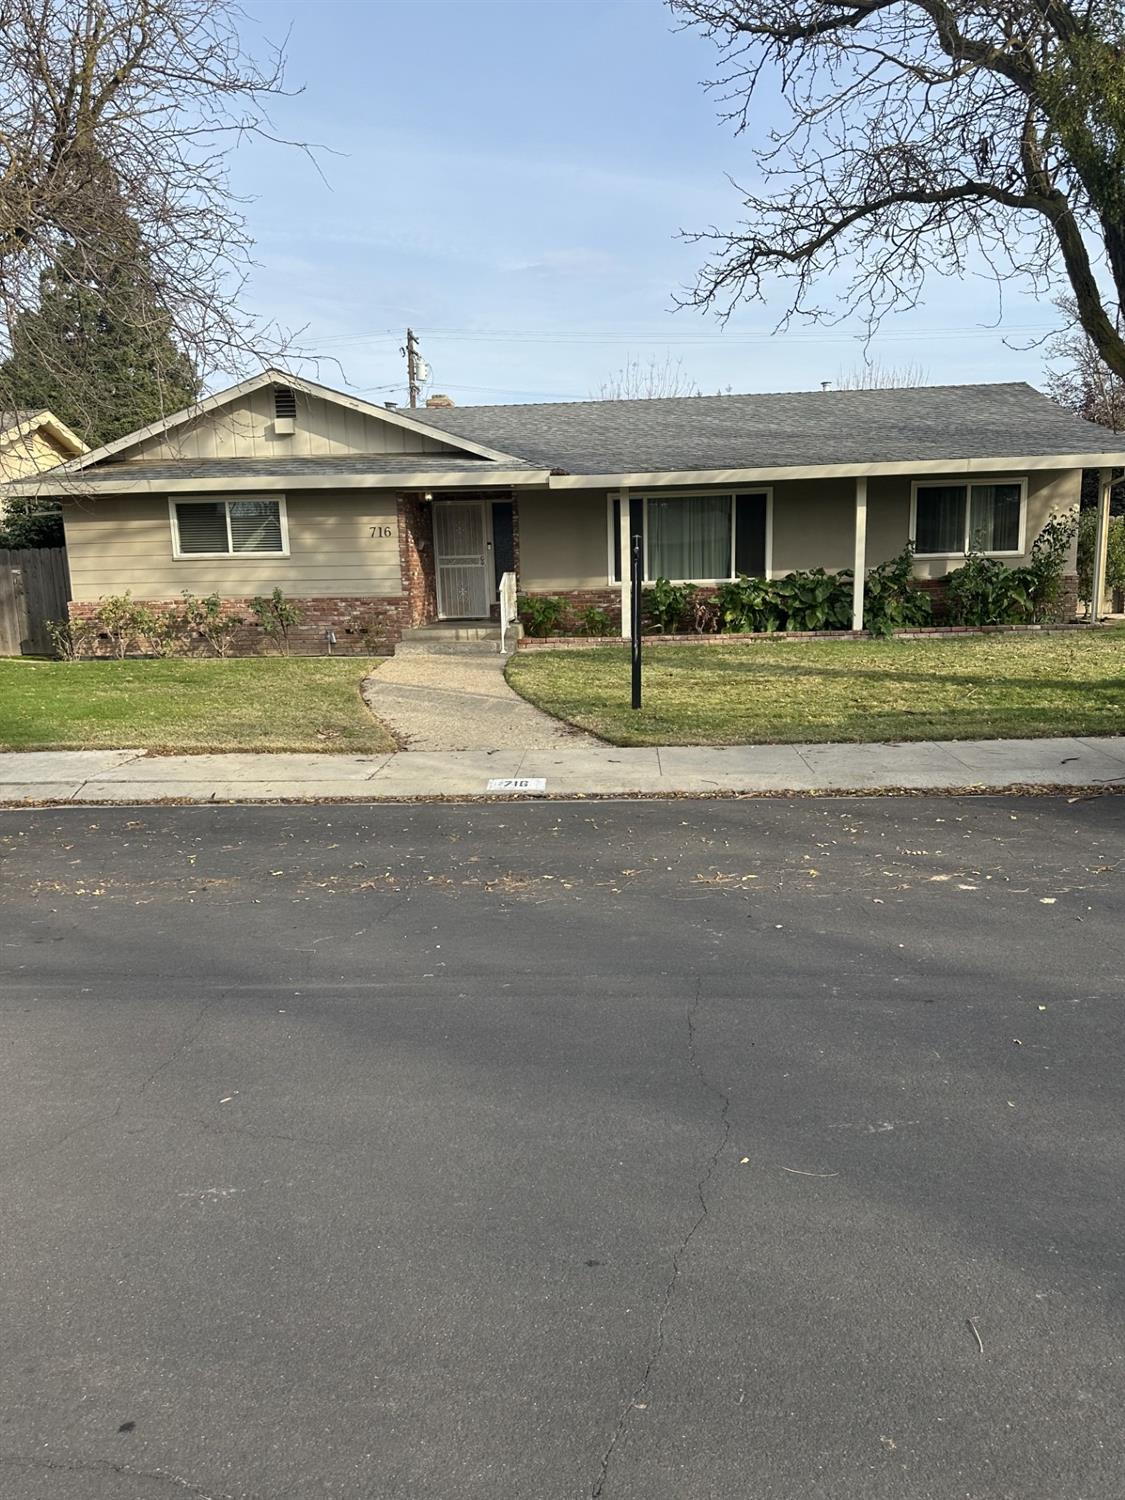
pixel 376 520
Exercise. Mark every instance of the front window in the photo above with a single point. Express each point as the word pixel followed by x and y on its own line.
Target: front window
pixel 221 528
pixel 695 538
pixel 955 518
pixel 689 538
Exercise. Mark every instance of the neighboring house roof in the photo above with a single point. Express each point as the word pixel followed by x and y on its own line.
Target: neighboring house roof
pixel 32 442
pixel 802 429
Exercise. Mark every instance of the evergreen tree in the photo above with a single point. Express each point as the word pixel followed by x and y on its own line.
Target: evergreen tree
pixel 98 350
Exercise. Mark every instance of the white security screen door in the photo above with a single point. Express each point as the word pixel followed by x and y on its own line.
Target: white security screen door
pixel 464 562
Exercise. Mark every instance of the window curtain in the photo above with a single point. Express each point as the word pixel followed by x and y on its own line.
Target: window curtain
pixel 940 519
pixel 994 517
pixel 689 538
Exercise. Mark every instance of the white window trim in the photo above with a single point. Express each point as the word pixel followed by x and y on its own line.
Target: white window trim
pixel 967 484
pixel 225 501
pixel 731 495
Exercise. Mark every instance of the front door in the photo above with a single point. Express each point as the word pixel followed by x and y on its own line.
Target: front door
pixel 464 583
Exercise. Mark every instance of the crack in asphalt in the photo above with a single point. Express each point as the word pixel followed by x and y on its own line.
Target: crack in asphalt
pixel 108 1466
pixel 657 1348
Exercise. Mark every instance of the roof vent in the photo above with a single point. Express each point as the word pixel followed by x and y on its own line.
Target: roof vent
pixel 284 410
pixel 390 405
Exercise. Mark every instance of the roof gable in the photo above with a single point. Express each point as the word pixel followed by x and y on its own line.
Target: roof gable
pixel 241 423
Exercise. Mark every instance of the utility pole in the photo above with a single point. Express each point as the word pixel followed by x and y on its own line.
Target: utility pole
pixel 410 349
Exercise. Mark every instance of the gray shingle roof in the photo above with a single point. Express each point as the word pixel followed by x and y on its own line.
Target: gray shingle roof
pixel 803 428
pixel 295 468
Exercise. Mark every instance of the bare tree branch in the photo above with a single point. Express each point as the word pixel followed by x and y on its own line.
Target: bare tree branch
pixel 924 136
pixel 117 120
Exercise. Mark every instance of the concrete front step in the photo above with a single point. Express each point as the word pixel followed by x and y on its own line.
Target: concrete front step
pixel 454 637
pixel 439 646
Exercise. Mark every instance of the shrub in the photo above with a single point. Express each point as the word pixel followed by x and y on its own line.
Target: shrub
pixel 206 619
pixel 749 604
pixel 541 614
pixel 705 616
pixel 1044 574
pixel 1115 558
pixel 276 616
pixel 72 639
pixel 596 621
pixel 892 599
pixel 811 599
pixel 666 604
pixel 29 523
pixel 984 592
pixel 125 623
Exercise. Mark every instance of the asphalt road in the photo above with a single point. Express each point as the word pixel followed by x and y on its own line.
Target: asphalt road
pixel 649 1151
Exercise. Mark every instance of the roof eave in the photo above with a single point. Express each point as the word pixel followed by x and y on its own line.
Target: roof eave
pixel 74 484
pixel 654 479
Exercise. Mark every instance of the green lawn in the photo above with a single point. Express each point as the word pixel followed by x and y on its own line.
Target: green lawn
pixel 175 705
pixel 971 687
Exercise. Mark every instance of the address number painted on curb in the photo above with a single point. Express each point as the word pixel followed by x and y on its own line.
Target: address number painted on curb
pixel 518 784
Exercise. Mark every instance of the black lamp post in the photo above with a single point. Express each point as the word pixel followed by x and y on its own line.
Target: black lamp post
pixel 636 570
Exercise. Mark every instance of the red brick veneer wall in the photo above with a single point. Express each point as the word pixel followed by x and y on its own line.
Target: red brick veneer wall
pixel 416 559
pixel 363 626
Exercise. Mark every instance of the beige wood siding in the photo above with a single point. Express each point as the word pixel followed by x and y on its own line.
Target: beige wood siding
pixel 564 540
pixel 246 430
pixel 116 545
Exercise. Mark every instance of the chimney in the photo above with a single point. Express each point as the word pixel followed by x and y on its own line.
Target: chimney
pixel 439 399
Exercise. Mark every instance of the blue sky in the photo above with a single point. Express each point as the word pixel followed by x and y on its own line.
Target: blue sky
pixel 510 182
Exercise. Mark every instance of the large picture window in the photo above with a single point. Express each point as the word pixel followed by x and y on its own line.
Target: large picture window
pixel 950 519
pixel 696 538
pixel 224 528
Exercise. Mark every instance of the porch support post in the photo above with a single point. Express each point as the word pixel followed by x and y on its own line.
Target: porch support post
pixel 625 532
pixel 1101 544
pixel 860 550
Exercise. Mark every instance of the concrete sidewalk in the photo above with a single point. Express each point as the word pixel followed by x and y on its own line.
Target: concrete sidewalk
pixel 100 776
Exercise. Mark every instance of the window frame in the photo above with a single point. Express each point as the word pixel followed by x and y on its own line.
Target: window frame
pixel 967 483
pixel 724 494
pixel 226 501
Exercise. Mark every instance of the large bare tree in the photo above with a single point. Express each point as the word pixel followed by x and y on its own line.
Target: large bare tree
pixel 117 119
pixel 920 136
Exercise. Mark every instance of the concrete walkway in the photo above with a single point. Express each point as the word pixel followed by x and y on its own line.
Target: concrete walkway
pixel 99 776
pixel 460 702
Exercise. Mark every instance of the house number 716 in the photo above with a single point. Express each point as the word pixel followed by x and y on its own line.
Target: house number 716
pixel 381 531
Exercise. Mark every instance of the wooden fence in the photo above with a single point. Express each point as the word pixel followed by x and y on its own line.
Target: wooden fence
pixel 34 588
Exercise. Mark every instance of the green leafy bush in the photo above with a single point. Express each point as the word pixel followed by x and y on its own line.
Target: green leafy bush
pixel 892 599
pixel 541 614
pixel 666 604
pixel 1115 554
pixel 31 523
pixel 812 599
pixel 276 616
pixel 749 604
pixel 983 591
pixel 596 621
pixel 124 623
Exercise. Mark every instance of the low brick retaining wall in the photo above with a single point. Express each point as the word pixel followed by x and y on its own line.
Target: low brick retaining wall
pixel 753 638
